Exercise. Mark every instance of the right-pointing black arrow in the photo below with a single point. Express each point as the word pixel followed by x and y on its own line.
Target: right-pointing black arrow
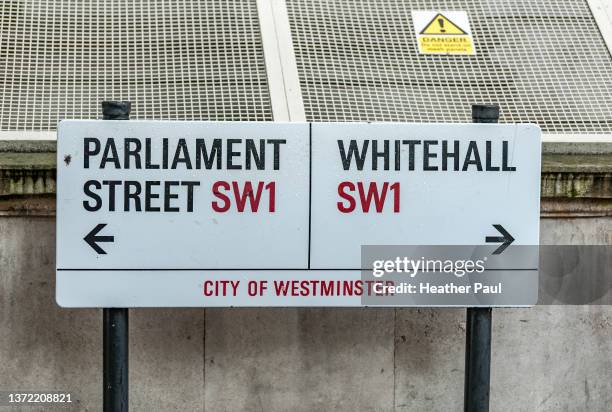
pixel 505 240
pixel 92 240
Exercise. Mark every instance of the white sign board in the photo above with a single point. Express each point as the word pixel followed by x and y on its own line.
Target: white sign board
pixel 167 214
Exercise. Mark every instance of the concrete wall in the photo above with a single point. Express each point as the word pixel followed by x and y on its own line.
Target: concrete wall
pixel 547 358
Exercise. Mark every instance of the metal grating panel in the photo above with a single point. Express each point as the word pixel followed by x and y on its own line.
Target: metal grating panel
pixel 179 59
pixel 543 61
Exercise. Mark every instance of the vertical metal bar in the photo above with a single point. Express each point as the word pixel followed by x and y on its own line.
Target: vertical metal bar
pixel 115 320
pixel 477 360
pixel 478 323
pixel 115 360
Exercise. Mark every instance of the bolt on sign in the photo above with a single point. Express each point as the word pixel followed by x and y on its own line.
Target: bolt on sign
pixel 180 214
pixel 443 32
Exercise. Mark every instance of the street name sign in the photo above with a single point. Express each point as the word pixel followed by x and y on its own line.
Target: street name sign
pixel 184 214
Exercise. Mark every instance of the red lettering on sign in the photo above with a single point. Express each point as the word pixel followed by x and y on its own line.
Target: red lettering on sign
pixel 243 196
pixel 366 197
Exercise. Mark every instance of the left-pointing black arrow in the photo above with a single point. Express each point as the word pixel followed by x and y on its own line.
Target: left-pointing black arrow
pixel 92 240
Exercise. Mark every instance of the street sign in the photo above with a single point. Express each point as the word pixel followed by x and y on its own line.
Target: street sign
pixel 165 214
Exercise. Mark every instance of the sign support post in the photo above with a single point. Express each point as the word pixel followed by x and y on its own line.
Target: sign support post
pixel 115 320
pixel 478 321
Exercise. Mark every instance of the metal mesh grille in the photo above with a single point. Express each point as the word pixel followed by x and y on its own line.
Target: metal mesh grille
pixel 180 59
pixel 543 61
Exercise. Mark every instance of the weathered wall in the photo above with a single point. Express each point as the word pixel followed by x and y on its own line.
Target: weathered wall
pixel 546 358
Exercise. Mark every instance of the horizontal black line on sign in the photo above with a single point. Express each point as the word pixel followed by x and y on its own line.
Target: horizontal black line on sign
pixel 239 269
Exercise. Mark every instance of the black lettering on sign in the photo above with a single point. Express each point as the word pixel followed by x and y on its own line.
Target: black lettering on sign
pixel 353 151
pixel 190 186
pixel 505 166
pixel 231 154
pixel 411 149
pixel 112 184
pixel 258 156
pixel 109 195
pixel 446 155
pixel 134 195
pixel 433 155
pixel 181 155
pixel 169 196
pixel 376 154
pixel 427 155
pixel 89 151
pixel 208 157
pixel 110 154
pixel 148 163
pixel 165 153
pixel 472 157
pixel 276 143
pixel 489 155
pixel 130 152
pixel 87 188
pixel 149 195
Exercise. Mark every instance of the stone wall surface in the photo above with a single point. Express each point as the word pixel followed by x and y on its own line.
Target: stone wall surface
pixel 547 358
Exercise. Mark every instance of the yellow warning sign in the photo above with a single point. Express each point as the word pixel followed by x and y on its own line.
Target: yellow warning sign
pixel 443 32
pixel 440 24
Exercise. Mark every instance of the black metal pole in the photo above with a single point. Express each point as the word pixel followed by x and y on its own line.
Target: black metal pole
pixel 115 323
pixel 478 322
